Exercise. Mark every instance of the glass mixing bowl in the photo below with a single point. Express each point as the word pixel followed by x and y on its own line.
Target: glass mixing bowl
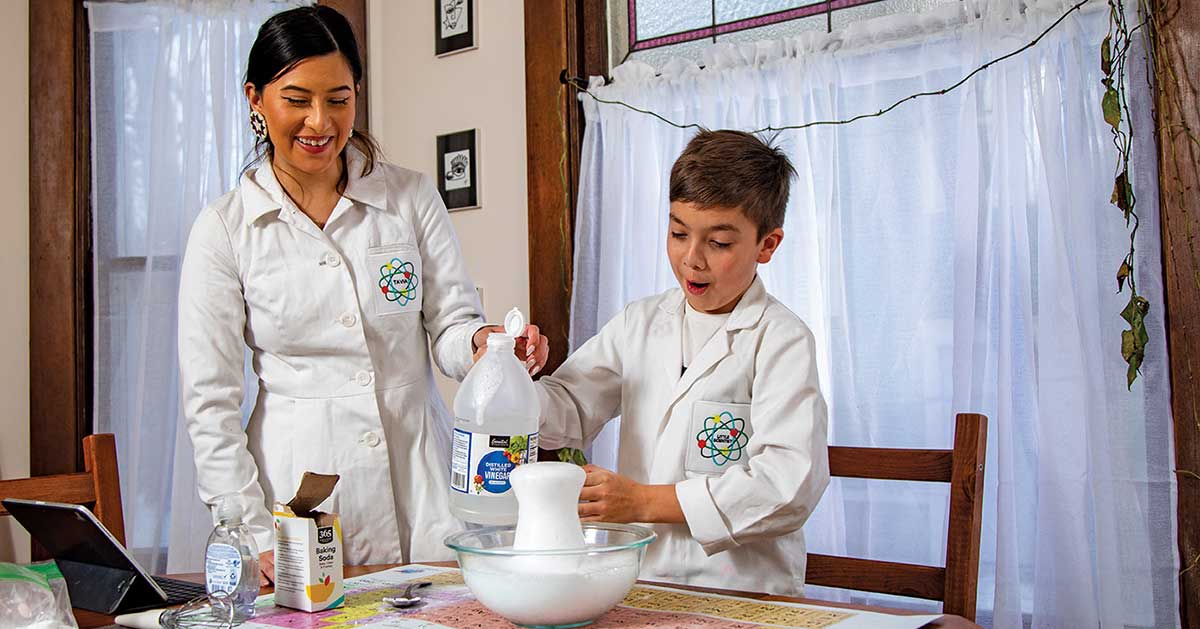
pixel 552 588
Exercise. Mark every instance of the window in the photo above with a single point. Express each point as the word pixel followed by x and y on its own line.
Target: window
pixel 653 31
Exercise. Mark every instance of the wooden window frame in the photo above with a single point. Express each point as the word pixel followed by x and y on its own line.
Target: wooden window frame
pixel 1179 208
pixel 59 237
pixel 61 322
pixel 570 36
pixel 561 36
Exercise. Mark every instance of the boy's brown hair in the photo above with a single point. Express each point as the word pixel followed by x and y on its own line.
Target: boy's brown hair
pixel 734 169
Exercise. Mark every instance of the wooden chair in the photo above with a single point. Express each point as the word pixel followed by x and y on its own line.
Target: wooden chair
pixel 956 583
pixel 98 488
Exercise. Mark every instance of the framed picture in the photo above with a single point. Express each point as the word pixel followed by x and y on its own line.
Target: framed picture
pixel 458 166
pixel 454 30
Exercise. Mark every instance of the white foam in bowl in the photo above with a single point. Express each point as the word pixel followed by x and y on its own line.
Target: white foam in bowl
pixel 557 588
pixel 543 594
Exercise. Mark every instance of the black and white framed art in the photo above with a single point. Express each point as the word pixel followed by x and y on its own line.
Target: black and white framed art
pixel 454 30
pixel 458 168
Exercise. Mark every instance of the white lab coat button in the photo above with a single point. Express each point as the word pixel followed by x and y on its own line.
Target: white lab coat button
pixel 370 439
pixel 363 378
pixel 348 319
pixel 332 259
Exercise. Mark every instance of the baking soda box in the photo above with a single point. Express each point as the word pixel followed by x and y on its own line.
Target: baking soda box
pixel 308 549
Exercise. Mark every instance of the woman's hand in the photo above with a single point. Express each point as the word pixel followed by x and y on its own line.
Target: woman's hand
pixel 266 568
pixel 532 348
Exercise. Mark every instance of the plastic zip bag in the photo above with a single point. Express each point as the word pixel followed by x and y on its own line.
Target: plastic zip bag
pixel 34 597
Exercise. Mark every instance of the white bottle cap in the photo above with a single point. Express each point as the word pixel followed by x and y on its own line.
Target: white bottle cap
pixel 514 323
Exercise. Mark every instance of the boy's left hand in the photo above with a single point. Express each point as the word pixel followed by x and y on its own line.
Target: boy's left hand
pixel 532 347
pixel 615 498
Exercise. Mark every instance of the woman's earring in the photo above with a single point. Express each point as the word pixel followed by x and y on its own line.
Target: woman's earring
pixel 258 124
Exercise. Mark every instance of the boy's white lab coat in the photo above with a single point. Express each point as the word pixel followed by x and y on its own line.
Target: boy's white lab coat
pixel 337 323
pixel 741 435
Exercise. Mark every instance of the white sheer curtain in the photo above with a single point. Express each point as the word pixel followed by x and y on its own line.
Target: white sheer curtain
pixel 958 254
pixel 169 135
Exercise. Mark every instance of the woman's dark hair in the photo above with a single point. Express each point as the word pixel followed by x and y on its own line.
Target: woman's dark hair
pixel 292 36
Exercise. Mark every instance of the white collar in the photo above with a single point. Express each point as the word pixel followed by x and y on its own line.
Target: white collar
pixel 262 192
pixel 746 313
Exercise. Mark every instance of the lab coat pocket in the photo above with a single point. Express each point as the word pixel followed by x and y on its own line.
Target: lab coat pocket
pixel 720 433
pixel 396 270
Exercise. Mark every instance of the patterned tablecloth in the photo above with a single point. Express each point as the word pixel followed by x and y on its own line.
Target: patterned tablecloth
pixel 448 604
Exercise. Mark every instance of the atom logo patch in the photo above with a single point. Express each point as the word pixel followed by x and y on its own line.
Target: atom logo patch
pixel 720 436
pixel 398 281
pixel 396 275
pixel 722 439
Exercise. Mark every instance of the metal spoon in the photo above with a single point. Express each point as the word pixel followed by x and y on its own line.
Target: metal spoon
pixel 407 600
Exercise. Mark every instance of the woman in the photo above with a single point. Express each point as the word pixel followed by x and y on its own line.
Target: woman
pixel 340 273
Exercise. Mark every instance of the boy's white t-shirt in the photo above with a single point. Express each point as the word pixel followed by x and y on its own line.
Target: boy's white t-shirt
pixel 698 327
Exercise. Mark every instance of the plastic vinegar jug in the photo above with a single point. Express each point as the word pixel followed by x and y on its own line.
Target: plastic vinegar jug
pixel 495 430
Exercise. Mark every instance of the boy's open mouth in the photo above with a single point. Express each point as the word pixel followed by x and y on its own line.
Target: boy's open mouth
pixel 697 288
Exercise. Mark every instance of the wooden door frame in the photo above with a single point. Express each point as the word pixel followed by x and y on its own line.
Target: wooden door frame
pixel 61 327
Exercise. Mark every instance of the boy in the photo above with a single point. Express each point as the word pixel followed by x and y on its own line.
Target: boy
pixel 722 439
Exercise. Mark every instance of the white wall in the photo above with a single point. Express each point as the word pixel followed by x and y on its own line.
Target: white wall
pixel 416 96
pixel 14 259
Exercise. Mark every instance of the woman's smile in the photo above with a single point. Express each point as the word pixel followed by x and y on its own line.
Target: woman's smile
pixel 314 144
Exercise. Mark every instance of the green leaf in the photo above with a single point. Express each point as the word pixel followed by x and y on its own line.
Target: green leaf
pixel 1132 373
pixel 1112 108
pixel 572 455
pixel 1127 342
pixel 1122 195
pixel 1122 275
pixel 1135 309
pixel 1106 56
pixel 1135 339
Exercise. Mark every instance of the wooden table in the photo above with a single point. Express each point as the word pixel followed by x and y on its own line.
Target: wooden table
pixel 93 620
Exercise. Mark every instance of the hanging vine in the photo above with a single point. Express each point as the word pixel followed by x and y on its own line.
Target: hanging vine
pixel 1114 54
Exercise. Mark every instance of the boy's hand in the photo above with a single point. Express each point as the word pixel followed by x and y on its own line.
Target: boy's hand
pixel 531 348
pixel 615 498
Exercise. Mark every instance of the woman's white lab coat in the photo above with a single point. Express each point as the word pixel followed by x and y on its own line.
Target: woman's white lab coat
pixel 338 322
pixel 741 434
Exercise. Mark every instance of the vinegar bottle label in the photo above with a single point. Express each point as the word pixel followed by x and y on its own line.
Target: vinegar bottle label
pixel 481 462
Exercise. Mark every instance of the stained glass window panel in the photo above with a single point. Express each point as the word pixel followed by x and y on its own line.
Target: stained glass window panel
pixel 656 18
pixel 735 10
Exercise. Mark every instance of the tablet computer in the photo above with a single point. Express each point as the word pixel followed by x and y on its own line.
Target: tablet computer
pixel 101 575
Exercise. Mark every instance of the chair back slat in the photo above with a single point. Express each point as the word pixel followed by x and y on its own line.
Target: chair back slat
pixel 884 577
pixel 891 464
pixel 72 488
pixel 955 584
